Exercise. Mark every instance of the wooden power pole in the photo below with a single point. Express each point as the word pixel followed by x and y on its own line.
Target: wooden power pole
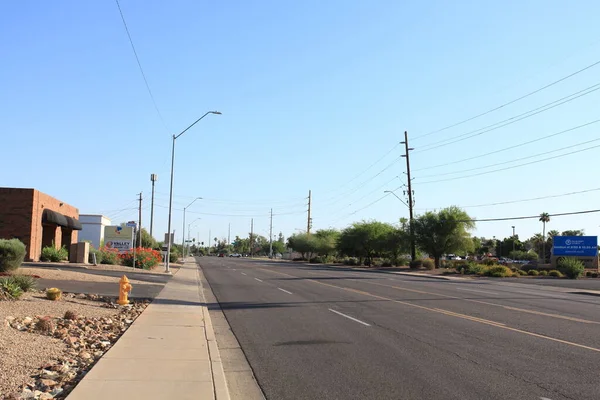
pixel 413 249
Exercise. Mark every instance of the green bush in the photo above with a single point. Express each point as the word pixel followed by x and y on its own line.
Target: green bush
pixel 144 258
pixel 416 264
pixel 10 289
pixel 52 254
pixel 401 261
pixel 571 267
pixel 317 260
pixel 489 261
pixel 471 268
pixel 386 263
pixel 173 257
pixel 25 282
pixel 533 272
pixel 555 273
pixel 109 256
pixel 429 264
pixel 12 254
pixel 351 261
pixel 521 272
pixel 498 271
pixel 543 273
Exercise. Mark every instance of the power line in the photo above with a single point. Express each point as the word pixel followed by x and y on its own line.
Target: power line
pixel 510 147
pixel 510 102
pixel 510 161
pixel 140 65
pixel 531 216
pixel 526 200
pixel 512 167
pixel 511 120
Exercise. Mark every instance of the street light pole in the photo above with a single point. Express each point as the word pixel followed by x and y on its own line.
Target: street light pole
pixel 167 269
pixel 183 229
pixel 514 240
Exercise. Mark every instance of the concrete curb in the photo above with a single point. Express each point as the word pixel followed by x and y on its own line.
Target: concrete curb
pixel 235 374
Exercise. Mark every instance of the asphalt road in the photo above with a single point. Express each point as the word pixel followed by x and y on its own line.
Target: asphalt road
pixel 317 333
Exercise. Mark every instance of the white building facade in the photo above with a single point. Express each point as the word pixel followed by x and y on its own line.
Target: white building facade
pixel 93 228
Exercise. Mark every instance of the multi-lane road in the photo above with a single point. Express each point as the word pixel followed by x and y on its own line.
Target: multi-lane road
pixel 312 332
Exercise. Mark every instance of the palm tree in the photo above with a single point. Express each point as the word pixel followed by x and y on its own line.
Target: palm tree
pixel 544 217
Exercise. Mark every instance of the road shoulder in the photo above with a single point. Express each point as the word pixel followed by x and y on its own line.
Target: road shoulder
pixel 239 377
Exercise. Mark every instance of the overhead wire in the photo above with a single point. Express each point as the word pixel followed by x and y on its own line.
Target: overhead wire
pixel 507 148
pixel 509 161
pixel 140 65
pixel 511 167
pixel 531 216
pixel 509 121
pixel 509 102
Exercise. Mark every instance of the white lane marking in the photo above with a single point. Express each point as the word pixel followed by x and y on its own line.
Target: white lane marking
pixel 243 273
pixel 475 290
pixel 260 280
pixel 544 398
pixel 283 290
pixel 349 317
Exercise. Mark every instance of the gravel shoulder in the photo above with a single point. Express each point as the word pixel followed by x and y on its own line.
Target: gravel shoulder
pixel 23 353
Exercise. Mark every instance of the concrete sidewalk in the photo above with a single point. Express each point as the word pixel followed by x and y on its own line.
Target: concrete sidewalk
pixel 169 352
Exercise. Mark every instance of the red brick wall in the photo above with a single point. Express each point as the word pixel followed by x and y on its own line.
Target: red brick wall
pixel 21 217
pixel 16 207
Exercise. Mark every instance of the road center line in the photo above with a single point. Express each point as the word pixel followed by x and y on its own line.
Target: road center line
pixel 475 290
pixel 260 280
pixel 283 290
pixel 349 317
pixel 243 273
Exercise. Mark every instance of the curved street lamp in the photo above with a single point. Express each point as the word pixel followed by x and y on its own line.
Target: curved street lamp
pixel 167 269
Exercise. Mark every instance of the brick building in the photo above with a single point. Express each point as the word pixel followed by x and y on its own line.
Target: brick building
pixel 38 220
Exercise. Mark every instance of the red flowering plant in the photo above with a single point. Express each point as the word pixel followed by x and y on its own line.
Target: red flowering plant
pixel 108 255
pixel 144 258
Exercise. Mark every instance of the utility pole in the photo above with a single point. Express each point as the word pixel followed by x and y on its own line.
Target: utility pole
pixel 413 250
pixel 137 237
pixel 309 220
pixel 229 234
pixel 251 235
pixel 153 178
pixel 271 236
pixel 209 239
pixel 514 239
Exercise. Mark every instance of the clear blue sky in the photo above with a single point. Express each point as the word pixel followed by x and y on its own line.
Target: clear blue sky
pixel 312 94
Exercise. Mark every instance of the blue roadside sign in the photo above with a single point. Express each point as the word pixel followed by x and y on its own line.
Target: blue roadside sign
pixel 583 246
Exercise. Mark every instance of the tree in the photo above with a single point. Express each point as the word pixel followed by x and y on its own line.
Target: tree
pixel 544 218
pixel 444 232
pixel 507 245
pixel 365 240
pixel 326 241
pixel 576 232
pixel 304 244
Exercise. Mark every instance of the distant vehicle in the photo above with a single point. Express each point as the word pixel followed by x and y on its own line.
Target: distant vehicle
pixel 221 255
pixel 235 255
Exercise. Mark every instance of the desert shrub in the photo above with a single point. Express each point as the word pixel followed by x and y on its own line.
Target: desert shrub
pixel 351 261
pixel 543 273
pixel 416 264
pixel 52 254
pixel 520 272
pixel 12 254
pixel 401 261
pixel 298 259
pixel 144 258
pixel 53 294
pixel 109 256
pixel 173 256
pixel 571 267
pixel 387 263
pixel 555 273
pixel 489 261
pixel 533 272
pixel 471 268
pixel 10 289
pixel 497 271
pixel 429 264
pixel 594 274
pixel 25 282
pixel 317 260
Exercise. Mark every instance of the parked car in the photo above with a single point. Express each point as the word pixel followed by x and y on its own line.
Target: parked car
pixel 235 255
pixel 221 255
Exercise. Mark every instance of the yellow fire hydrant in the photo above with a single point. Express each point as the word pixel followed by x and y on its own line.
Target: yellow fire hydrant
pixel 124 289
